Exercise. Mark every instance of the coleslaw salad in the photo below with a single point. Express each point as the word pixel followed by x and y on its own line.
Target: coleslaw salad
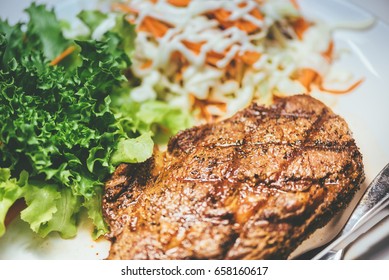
pixel 216 57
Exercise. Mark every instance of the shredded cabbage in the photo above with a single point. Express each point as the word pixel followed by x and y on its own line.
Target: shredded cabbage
pixel 194 51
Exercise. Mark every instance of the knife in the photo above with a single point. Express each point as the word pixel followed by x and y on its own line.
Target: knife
pixel 367 213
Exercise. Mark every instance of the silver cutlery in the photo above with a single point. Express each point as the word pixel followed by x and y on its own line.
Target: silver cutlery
pixel 366 214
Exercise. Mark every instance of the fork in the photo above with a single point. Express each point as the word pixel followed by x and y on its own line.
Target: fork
pixel 367 214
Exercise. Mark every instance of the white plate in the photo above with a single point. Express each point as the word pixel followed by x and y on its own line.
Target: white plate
pixel 366 110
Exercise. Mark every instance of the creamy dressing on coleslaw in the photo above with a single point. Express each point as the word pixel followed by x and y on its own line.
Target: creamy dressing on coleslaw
pixel 270 74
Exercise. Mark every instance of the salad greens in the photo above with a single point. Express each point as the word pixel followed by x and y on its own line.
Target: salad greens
pixel 64 127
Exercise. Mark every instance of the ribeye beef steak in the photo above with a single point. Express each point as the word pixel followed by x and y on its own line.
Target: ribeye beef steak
pixel 253 186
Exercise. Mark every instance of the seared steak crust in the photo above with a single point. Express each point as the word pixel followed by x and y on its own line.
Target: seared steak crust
pixel 253 186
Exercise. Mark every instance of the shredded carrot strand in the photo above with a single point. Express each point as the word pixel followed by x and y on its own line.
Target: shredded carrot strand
pixel 62 55
pixel 295 4
pixel 199 104
pixel 250 57
pixel 203 106
pixel 257 13
pixel 306 77
pixel 192 99
pixel 146 64
pixel 246 26
pixel 178 77
pixel 336 91
pixel 213 57
pixel 300 26
pixel 123 8
pixel 223 16
pixel 179 3
pixel 178 58
pixel 235 70
pixel 309 77
pixel 328 54
pixel 242 5
pixel 154 26
pixel 193 46
pixel 130 20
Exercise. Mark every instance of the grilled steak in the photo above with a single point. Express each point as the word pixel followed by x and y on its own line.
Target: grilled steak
pixel 253 186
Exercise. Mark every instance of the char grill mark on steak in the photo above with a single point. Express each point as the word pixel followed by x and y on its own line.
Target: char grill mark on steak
pixel 296 149
pixel 252 186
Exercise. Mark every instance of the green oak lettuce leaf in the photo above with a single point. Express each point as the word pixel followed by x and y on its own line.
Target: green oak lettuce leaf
pixel 10 191
pixel 41 202
pixel 134 150
pixel 63 129
pixel 64 219
pixel 151 115
pixel 13 36
pixel 50 208
pixel 94 19
pixel 127 32
pixel 45 28
pixel 93 206
pixel 56 124
pixel 156 112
